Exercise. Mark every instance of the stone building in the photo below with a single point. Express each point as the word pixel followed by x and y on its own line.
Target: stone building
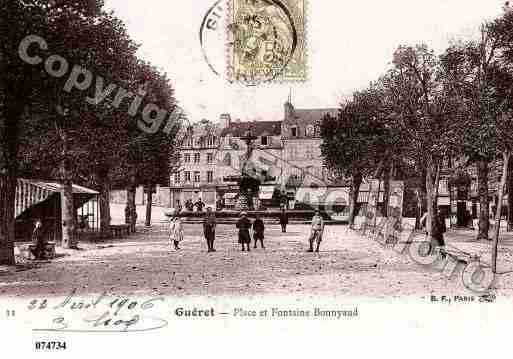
pixel 196 177
pixel 285 158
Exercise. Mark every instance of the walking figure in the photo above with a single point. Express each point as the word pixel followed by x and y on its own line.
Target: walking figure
pixel 244 224
pixel 316 232
pixel 175 229
pixel 439 229
pixel 209 229
pixel 284 220
pixel 258 231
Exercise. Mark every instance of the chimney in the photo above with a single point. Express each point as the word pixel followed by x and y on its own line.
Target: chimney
pixel 289 110
pixel 225 120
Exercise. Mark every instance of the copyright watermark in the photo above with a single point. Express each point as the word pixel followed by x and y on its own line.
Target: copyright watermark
pixel 152 117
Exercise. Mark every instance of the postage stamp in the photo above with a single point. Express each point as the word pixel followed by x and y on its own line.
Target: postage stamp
pixel 267 41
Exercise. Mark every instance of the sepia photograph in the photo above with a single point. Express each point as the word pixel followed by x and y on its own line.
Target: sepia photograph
pixel 300 174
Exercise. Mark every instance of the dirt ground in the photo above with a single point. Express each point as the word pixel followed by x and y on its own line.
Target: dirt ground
pixel 144 263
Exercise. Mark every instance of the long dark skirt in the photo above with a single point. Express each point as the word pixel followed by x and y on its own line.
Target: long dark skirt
pixel 244 237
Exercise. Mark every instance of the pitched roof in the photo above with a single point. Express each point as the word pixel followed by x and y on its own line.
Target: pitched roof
pixel 312 116
pixel 257 128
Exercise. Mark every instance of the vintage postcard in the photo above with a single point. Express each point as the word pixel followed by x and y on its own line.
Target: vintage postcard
pixel 256 178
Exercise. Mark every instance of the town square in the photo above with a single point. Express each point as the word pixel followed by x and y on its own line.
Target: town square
pixel 254 160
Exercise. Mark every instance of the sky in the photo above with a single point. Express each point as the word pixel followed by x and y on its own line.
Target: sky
pixel 350 43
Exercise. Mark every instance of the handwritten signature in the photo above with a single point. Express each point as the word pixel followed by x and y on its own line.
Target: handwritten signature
pixel 118 314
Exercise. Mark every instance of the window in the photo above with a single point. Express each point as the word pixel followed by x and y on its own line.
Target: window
pixel 187 158
pixel 293 153
pixel 187 176
pixel 210 157
pixel 177 177
pixel 210 176
pixel 294 131
pixel 227 160
pixel 309 152
pixel 197 176
pixel 211 141
pixel 197 158
pixel 264 141
pixel 310 131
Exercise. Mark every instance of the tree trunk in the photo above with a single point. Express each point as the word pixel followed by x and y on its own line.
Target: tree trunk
pixel 67 204
pixel 68 215
pixel 431 201
pixel 104 199
pixel 7 220
pixel 420 195
pixel 484 206
pixel 9 134
pixel 510 197
pixel 355 190
pixel 506 156
pixel 387 173
pixel 149 196
pixel 132 211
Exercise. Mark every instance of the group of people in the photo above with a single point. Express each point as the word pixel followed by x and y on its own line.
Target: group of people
pixel 245 227
pixel 189 205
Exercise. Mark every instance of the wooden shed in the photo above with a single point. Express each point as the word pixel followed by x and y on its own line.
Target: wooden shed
pixel 42 200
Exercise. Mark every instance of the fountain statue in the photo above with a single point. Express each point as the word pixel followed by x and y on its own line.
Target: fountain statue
pixel 248 179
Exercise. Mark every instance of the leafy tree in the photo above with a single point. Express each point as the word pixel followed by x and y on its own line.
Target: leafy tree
pixel 20 84
pixel 424 111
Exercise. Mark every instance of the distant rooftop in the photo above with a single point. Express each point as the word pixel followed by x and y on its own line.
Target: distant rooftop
pixel 257 128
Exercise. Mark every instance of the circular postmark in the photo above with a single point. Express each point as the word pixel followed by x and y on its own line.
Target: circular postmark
pixel 262 41
pixel 213 38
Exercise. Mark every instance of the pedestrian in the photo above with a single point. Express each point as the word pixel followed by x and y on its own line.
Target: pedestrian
pixel 244 224
pixel 175 229
pixel 258 231
pixel 38 240
pixel 209 229
pixel 199 205
pixel 316 231
pixel 127 214
pixel 284 220
pixel 439 228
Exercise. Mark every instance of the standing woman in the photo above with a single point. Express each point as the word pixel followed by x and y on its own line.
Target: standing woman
pixel 284 220
pixel 175 229
pixel 244 224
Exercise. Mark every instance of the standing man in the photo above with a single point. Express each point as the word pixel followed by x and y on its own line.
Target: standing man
pixel 316 231
pixel 284 220
pixel 244 224
pixel 127 214
pixel 258 230
pixel 209 229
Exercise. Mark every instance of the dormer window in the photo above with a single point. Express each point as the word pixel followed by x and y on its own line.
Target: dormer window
pixel 294 131
pixel 264 141
pixel 310 131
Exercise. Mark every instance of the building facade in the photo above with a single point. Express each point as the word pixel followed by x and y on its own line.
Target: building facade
pixel 285 157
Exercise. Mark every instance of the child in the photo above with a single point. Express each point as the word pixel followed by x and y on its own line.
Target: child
pixel 244 224
pixel 317 231
pixel 175 230
pixel 258 231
